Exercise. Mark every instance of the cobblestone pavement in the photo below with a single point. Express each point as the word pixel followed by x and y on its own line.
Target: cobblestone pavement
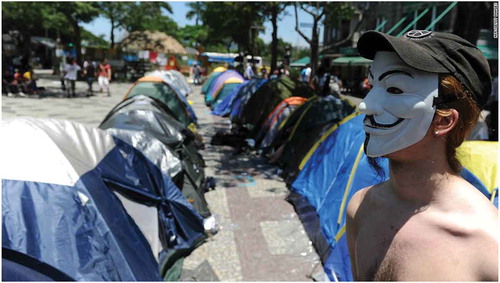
pixel 261 237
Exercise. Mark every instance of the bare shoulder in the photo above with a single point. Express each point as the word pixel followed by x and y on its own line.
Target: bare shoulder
pixel 364 195
pixel 477 218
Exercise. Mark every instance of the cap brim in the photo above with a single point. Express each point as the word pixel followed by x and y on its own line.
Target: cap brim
pixel 410 52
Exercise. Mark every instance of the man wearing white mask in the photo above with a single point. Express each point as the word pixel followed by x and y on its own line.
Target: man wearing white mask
pixel 425 223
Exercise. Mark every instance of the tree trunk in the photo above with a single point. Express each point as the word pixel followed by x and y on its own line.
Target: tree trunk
pixel 26 49
pixel 78 42
pixel 314 48
pixel 112 33
pixel 274 42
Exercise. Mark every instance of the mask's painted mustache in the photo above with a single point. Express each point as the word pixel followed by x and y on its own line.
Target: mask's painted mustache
pixel 374 124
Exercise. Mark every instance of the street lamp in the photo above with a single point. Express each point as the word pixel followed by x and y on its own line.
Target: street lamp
pixel 287 55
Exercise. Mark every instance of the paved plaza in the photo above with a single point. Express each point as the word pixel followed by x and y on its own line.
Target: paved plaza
pixel 260 237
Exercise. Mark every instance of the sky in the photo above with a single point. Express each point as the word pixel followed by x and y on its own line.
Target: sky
pixel 286 27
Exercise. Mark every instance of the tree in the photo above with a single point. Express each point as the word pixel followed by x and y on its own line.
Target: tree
pixel 23 20
pixel 344 11
pixel 116 12
pixel 149 16
pixel 74 13
pixel 196 11
pixel 192 35
pixel 232 22
pixel 318 10
pixel 271 11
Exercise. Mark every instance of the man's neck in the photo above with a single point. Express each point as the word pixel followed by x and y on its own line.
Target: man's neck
pixel 420 181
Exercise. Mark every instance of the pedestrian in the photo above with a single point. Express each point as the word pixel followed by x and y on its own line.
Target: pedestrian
pixel 274 75
pixel 104 76
pixel 30 81
pixel 197 74
pixel 249 73
pixel 9 83
pixel 365 86
pixel 71 74
pixel 89 72
pixel 425 223
pixel 19 78
pixel 306 73
pixel 263 72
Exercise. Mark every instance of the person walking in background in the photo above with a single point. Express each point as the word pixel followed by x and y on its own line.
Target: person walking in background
pixel 306 73
pixel 89 72
pixel 249 73
pixel 70 75
pixel 104 77
pixel 197 74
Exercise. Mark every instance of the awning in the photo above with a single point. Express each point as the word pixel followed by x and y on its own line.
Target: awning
pixel 352 61
pixel 44 41
pixel 301 62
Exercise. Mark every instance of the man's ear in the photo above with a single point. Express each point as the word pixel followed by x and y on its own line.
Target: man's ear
pixel 444 124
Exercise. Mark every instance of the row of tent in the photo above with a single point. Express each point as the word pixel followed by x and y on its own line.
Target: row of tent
pixel 318 143
pixel 121 202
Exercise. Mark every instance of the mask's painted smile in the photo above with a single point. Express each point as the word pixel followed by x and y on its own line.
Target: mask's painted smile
pixel 371 123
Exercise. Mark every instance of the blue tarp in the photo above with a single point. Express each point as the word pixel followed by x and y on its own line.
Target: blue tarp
pixel 64 211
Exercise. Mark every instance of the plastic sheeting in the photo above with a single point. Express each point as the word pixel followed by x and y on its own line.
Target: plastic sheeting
pixel 158 153
pixel 59 204
pixel 144 114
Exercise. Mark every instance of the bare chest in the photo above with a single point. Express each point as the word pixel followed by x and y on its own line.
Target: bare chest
pixel 394 249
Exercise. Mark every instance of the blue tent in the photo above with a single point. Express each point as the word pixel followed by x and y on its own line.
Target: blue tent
pixel 243 96
pixel 333 170
pixel 223 108
pixel 71 200
pixel 208 83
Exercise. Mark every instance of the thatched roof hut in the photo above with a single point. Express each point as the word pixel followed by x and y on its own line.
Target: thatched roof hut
pixel 153 41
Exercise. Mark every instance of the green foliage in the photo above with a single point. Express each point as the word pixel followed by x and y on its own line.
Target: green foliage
pixel 92 40
pixel 197 9
pixel 229 22
pixel 192 35
pixel 149 16
pixel 335 11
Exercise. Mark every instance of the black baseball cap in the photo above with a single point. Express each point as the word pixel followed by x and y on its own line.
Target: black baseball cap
pixel 435 52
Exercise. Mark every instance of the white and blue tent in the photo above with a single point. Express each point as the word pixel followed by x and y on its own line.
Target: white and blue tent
pixel 73 198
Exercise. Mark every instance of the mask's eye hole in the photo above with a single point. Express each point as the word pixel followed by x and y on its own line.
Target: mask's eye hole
pixel 394 90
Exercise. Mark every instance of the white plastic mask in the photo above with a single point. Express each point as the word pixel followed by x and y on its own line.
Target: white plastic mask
pixel 399 107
